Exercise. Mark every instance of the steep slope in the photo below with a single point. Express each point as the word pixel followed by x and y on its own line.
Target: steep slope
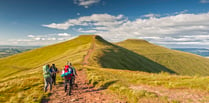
pixel 180 62
pixel 40 56
pixel 108 55
pixel 21 78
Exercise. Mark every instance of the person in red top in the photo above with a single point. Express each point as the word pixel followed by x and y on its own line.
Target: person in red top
pixel 68 78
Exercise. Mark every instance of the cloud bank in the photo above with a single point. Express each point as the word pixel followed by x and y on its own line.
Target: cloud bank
pixel 44 39
pixel 93 20
pixel 176 29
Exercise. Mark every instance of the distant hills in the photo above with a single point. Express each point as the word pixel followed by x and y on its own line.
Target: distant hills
pixel 7 50
pixel 182 63
pixel 199 51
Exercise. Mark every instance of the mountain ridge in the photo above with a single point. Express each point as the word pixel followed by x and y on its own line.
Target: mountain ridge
pixel 181 62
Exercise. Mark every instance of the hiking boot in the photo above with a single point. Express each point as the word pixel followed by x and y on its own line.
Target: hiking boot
pixel 69 93
pixel 45 90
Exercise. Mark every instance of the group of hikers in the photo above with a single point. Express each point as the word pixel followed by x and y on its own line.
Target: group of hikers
pixel 68 73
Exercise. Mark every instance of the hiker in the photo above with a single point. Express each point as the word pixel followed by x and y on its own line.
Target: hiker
pixel 53 70
pixel 74 73
pixel 67 74
pixel 47 77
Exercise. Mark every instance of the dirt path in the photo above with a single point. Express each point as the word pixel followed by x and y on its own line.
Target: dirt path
pixel 182 95
pixel 84 93
pixel 92 47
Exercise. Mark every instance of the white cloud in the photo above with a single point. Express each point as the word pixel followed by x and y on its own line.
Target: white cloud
pixel 86 3
pixel 86 31
pixel 58 26
pixel 37 38
pixel 94 20
pixel 31 36
pixel 204 1
pixel 45 39
pixel 151 15
pixel 101 28
pixel 181 12
pixel 63 34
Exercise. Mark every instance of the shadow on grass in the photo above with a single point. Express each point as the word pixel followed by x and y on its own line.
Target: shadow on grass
pixel 121 58
pixel 103 87
pixel 45 99
pixel 107 84
pixel 60 82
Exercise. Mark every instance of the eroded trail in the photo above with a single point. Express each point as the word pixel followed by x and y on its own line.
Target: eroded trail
pixel 84 93
pixel 91 49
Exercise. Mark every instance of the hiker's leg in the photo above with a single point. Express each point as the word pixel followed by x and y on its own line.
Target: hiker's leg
pixel 50 83
pixel 65 85
pixel 46 84
pixel 73 80
pixel 70 86
pixel 71 83
pixel 54 79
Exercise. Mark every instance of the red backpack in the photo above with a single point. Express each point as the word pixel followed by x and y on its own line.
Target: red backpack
pixel 67 70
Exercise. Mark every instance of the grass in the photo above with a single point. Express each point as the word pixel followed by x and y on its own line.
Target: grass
pixel 180 62
pixel 124 79
pixel 21 78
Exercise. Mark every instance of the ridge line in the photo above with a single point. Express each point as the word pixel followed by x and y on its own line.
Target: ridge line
pixel 89 52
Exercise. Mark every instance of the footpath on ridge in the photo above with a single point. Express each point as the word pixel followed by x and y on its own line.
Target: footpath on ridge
pixel 90 51
pixel 84 93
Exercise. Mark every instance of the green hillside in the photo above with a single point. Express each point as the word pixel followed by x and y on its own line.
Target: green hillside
pixel 108 55
pixel 180 62
pixel 21 78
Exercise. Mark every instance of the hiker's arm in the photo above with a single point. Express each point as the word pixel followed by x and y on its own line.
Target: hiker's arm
pixel 57 70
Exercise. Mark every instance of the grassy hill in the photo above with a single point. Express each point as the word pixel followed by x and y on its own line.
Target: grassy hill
pixel 108 55
pixel 180 62
pixel 21 78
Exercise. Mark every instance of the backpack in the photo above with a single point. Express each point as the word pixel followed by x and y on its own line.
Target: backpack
pixel 68 73
pixel 46 71
pixel 73 72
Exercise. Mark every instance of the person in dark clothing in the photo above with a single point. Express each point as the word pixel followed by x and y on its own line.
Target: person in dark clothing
pixel 74 74
pixel 67 74
pixel 53 70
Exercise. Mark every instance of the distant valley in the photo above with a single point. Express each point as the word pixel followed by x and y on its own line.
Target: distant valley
pixel 199 51
pixel 10 50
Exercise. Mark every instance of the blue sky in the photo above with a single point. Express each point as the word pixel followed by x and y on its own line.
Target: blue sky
pixel 170 23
